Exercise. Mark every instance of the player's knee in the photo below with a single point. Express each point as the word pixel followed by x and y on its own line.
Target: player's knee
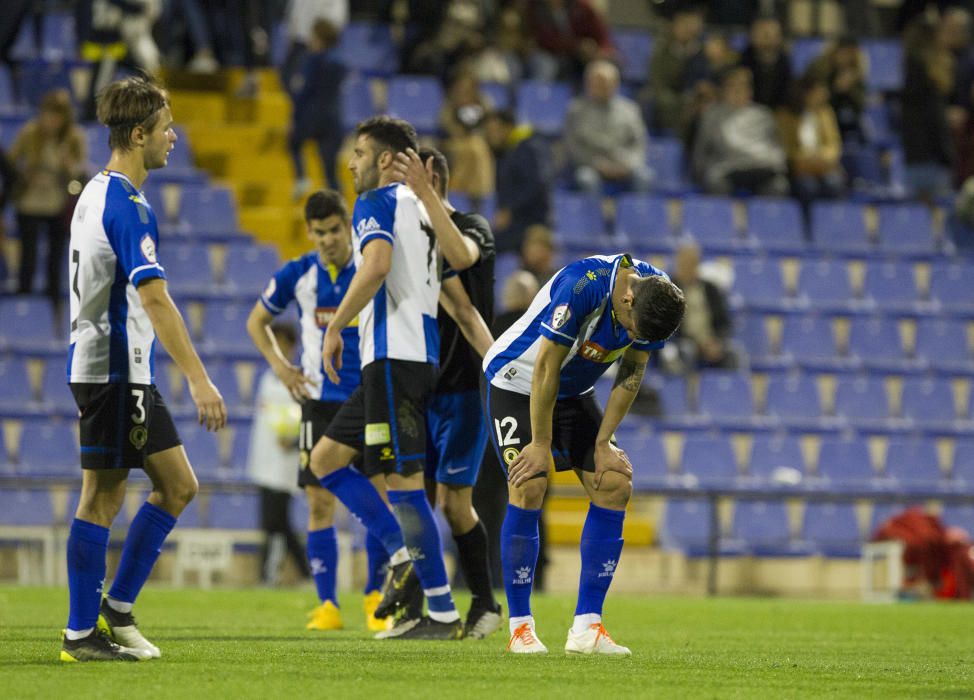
pixel 100 507
pixel 178 495
pixel 615 490
pixel 457 509
pixel 529 495
pixel 321 508
pixel 322 462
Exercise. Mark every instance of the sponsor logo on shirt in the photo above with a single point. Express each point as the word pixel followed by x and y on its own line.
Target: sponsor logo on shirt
pixel 324 315
pixel 560 316
pixel 366 225
pixel 148 248
pixel 593 351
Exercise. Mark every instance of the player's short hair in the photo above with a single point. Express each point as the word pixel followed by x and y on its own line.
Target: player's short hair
pixel 325 203
pixel 285 330
pixel 389 133
pixel 128 103
pixel 325 32
pixel 440 166
pixel 657 307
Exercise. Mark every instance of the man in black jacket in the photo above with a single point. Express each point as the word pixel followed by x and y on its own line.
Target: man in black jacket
pixel 704 336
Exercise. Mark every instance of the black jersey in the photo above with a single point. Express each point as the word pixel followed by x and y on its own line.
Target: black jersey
pixel 459 362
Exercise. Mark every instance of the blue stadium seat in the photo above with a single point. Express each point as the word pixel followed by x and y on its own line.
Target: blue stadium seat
pixel 710 221
pixel 224 327
pixel 188 268
pixel 49 448
pixel 884 64
pixel 224 376
pixel 876 341
pixel 418 100
pixel 686 526
pixel 950 285
pixel 180 158
pixel 839 227
pixel 27 323
pixel 862 400
pixel 543 105
pixel 673 393
pixel 208 210
pixel 832 529
pixel 645 450
pixel 202 449
pixel 665 156
pixel 913 463
pixel 825 284
pixel 9 104
pixel 498 94
pixel 233 511
pixel 38 77
pixel 804 50
pixel 240 448
pixel 16 385
pixel 793 399
pixel 99 151
pixel 776 224
pixel 578 221
pixel 642 220
pixel 944 343
pixel 928 401
pixel 891 286
pixel 876 125
pixel 808 339
pixel 956 515
pixel 635 46
pixel 906 229
pixel 710 459
pixel 763 527
pixel 726 396
pixel 58 37
pixel 248 268
pixel 749 330
pixel 844 463
pixel 26 507
pixel 357 104
pixel 962 468
pixel 55 393
pixel 771 452
pixel 368 47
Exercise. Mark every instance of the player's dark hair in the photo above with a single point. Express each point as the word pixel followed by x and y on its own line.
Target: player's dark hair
pixel 285 330
pixel 325 203
pixel 505 115
pixel 657 307
pixel 325 32
pixel 128 103
pixel 389 133
pixel 441 167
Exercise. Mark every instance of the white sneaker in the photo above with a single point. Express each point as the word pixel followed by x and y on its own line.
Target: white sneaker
pixel 122 630
pixel 594 640
pixel 524 641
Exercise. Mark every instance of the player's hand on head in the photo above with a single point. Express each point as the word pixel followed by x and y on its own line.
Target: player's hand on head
pixel 331 355
pixel 533 460
pixel 410 169
pixel 297 383
pixel 210 408
pixel 609 458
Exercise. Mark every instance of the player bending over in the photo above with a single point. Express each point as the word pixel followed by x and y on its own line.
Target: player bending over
pixel 317 283
pixel 119 304
pixel 539 401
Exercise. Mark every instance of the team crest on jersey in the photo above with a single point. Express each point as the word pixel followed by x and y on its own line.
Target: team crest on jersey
pixel 366 225
pixel 560 316
pixel 138 436
pixel 148 248
pixel 324 315
pixel 510 454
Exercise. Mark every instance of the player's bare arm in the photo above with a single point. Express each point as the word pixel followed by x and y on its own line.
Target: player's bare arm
pixel 170 328
pixel 456 302
pixel 459 251
pixel 376 263
pixel 629 377
pixel 259 329
pixel 536 457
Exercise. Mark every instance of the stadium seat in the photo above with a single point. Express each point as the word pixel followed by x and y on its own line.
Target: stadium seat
pixel 26 507
pixel 39 76
pixel 497 94
pixel 862 401
pixel 28 324
pixel 726 397
pixel 417 99
pixel 643 222
pixel 776 224
pixel 710 221
pixel 188 268
pixel 876 342
pixel 749 331
pixel 357 104
pixel 710 460
pixel 891 285
pixel 16 385
pixel 944 343
pixel 884 64
pixel 772 452
pixel 839 227
pixel 844 463
pixel 665 156
pixel 825 284
pixel 808 339
pixel 950 285
pixel 368 47
pixel 208 210
pixel 832 529
pixel 876 125
pixel 48 449
pixel 956 515
pixel 929 402
pixel 645 450
pixel 906 229
pixel 9 104
pixel 233 511
pixel 673 394
pixel 793 399
pixel 225 328
pixel 240 448
pixel 55 393
pixel 962 469
pixel 804 50
pixel 249 267
pixel 543 105
pixel 635 48
pixel 99 152
pixel 686 526
pixel 913 463
pixel 202 449
pixel 763 527
pixel 578 222
pixel 224 376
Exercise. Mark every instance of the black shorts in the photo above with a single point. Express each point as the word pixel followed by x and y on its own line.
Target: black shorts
pixel 385 417
pixel 122 424
pixel 315 418
pixel 574 428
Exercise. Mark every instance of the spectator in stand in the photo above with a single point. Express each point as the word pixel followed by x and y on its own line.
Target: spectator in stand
pixel 523 178
pixel 770 66
pixel 719 57
pixel 538 254
pixel 810 134
pixel 704 337
pixel 317 113
pixel 449 32
pixel 955 34
pixel 842 68
pixel 606 136
pixel 48 154
pixel 501 60
pixel 300 18
pixel 737 145
pixel 567 35
pixel 8 180
pixel 189 16
pixel 927 85
pixel 675 57
pixel 461 119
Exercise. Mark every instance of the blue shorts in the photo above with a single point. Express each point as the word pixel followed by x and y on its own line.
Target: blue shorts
pixel 456 438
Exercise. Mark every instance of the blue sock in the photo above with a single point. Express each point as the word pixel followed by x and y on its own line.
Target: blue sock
pixel 87 547
pixel 519 557
pixel 601 546
pixel 423 540
pixel 149 529
pixel 364 502
pixel 323 560
pixel 378 563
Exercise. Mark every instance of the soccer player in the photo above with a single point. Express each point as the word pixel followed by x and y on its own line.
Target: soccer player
pixel 456 432
pixel 539 401
pixel 317 282
pixel 394 294
pixel 119 305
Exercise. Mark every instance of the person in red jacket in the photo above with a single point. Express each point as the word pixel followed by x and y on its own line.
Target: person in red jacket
pixel 567 35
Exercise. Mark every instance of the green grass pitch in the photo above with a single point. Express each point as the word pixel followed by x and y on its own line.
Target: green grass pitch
pixel 251 644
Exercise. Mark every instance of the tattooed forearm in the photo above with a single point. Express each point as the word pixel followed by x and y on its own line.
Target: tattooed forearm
pixel 630 375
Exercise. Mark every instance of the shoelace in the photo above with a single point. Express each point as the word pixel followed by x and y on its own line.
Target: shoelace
pixel 525 633
pixel 600 632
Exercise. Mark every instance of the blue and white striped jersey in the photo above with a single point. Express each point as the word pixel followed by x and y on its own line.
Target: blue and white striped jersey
pixel 399 323
pixel 574 309
pixel 114 242
pixel 318 290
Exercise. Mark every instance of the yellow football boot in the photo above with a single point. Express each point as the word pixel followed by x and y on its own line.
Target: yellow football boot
pixel 325 617
pixel 373 623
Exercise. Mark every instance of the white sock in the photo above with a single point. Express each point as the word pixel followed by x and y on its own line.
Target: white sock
pixel 75 635
pixel 401 555
pixel 583 622
pixel 516 622
pixel 451 616
pixel 118 605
